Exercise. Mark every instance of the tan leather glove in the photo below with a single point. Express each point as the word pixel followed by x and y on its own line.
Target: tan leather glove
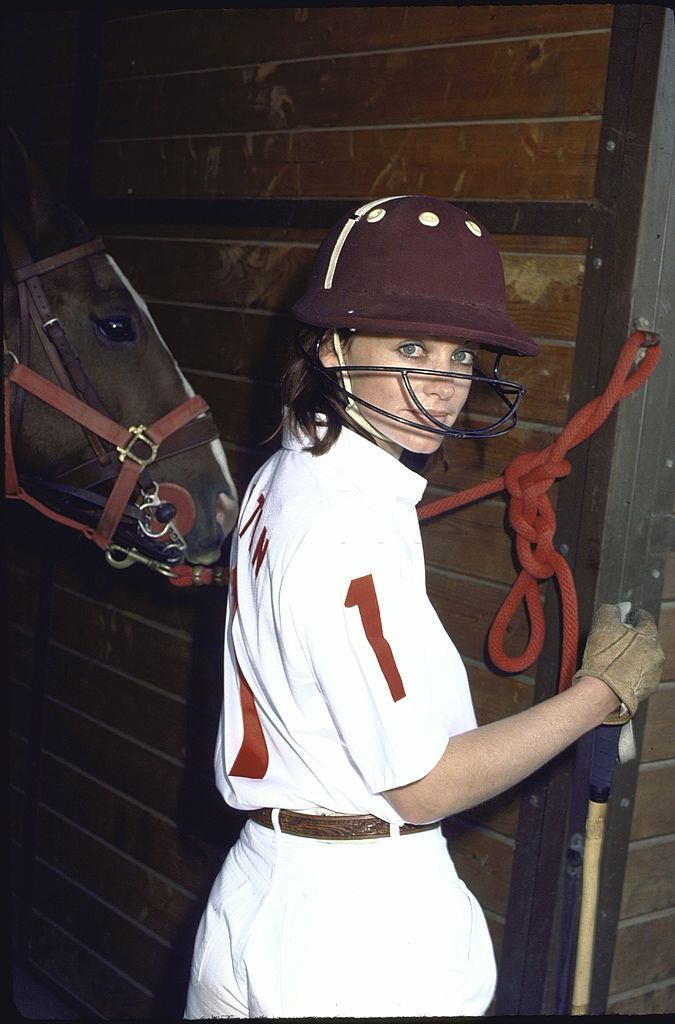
pixel 627 657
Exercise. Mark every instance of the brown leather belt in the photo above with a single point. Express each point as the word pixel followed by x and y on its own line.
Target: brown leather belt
pixel 333 826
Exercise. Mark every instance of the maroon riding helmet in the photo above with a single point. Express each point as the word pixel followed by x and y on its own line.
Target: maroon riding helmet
pixel 419 266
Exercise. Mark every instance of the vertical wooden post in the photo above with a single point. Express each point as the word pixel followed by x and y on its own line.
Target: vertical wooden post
pixel 530 969
pixel 636 537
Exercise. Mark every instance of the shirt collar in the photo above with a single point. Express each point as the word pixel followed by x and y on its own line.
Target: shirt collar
pixel 364 463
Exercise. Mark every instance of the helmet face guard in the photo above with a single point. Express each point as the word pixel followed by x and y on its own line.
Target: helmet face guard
pixel 508 392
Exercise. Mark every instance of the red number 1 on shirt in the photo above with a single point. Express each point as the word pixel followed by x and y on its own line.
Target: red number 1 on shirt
pixel 362 595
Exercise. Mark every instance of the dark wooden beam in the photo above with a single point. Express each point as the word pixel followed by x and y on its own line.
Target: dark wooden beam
pixel 530 981
pixel 500 217
pixel 639 509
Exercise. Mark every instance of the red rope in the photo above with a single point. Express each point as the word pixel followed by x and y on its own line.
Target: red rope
pixel 527 480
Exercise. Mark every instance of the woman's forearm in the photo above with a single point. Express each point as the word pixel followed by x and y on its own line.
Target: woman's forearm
pixel 479 764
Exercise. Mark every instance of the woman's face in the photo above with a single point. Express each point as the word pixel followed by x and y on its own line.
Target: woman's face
pixel 444 397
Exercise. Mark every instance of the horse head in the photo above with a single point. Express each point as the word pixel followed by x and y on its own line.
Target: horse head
pixel 86 329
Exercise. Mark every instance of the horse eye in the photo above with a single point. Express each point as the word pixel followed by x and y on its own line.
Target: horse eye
pixel 115 328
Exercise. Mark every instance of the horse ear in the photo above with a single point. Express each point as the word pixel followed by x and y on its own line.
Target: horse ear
pixel 30 204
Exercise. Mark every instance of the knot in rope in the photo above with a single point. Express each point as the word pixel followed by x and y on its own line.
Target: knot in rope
pixel 527 480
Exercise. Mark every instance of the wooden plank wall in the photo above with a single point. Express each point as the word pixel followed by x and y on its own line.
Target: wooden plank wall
pixel 500 102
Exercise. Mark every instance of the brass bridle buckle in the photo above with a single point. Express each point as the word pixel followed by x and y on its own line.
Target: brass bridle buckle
pixel 138 435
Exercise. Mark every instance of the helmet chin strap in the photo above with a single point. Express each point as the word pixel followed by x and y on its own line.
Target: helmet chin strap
pixel 352 410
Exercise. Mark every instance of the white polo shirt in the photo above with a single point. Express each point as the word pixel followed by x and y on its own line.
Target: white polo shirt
pixel 340 681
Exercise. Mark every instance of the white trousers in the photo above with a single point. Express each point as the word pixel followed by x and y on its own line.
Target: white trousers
pixel 300 927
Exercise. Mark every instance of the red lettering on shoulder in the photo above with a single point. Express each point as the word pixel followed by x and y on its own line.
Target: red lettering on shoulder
pixel 260 550
pixel 254 517
pixel 262 542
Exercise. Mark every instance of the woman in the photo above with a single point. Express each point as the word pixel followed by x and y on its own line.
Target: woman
pixel 348 731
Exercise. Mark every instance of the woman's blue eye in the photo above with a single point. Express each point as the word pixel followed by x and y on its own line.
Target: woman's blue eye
pixel 463 355
pixel 410 348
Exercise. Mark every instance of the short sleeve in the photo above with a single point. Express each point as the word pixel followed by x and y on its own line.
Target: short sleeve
pixel 371 640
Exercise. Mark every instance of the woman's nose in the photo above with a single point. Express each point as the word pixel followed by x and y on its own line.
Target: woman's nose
pixel 441 386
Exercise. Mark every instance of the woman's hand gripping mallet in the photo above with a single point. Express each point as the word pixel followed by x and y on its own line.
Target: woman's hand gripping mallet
pixel 623 650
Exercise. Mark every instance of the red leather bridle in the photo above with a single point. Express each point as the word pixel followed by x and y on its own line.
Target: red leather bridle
pixel 127 532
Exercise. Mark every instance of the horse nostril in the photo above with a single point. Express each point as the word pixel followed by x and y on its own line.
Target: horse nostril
pixel 165 512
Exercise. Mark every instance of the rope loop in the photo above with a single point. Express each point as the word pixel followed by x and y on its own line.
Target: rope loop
pixel 527 480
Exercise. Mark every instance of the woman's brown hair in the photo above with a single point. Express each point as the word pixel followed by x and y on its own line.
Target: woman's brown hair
pixel 306 392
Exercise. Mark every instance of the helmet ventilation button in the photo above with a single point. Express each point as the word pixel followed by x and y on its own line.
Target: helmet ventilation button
pixel 429 218
pixel 374 215
pixel 473 227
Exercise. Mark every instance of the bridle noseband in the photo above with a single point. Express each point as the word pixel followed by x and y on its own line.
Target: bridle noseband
pixel 136 522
